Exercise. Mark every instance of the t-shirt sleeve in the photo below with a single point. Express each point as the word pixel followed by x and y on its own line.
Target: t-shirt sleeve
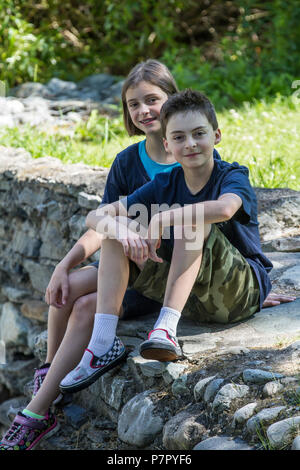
pixel 139 203
pixel 237 182
pixel 114 187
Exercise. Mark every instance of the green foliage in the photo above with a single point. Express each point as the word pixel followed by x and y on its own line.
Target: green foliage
pixel 261 135
pixel 235 51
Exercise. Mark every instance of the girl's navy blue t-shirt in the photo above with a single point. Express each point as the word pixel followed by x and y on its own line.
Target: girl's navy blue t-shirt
pixel 241 230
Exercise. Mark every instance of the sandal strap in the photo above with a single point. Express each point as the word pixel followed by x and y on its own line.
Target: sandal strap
pixel 29 423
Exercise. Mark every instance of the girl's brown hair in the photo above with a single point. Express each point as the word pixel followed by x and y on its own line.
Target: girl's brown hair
pixel 151 71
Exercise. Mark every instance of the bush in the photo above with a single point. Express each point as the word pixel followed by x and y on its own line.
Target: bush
pixel 234 50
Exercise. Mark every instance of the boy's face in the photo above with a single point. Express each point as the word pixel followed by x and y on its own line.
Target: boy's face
pixel 190 138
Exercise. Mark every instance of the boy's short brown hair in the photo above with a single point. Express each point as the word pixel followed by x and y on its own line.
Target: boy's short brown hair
pixel 185 101
pixel 151 71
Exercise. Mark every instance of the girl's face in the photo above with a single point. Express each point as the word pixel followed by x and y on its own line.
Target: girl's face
pixel 144 102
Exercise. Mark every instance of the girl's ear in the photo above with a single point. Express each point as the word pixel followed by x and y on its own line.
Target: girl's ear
pixel 218 136
pixel 165 142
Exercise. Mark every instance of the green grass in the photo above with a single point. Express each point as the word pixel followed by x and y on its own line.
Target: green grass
pixel 264 136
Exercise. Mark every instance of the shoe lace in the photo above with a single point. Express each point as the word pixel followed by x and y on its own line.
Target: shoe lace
pixel 13 432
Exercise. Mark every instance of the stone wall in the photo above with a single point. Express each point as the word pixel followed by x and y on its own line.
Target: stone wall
pixel 43 205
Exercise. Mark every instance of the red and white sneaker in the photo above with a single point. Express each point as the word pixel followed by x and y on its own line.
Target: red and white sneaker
pixel 163 348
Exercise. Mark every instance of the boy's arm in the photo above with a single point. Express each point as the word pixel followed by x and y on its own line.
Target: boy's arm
pixel 207 212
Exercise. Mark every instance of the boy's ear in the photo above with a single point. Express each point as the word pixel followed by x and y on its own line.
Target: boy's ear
pixel 165 142
pixel 218 136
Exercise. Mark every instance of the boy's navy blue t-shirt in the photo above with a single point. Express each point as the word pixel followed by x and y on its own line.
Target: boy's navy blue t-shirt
pixel 241 230
pixel 127 174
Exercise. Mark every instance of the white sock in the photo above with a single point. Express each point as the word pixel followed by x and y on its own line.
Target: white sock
pixel 104 333
pixel 167 320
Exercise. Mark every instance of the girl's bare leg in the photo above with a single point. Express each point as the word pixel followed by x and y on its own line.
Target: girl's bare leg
pixel 69 353
pixel 82 282
pixel 112 283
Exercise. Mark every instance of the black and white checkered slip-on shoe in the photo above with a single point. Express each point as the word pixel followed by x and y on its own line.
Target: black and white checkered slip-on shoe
pixel 161 349
pixel 82 377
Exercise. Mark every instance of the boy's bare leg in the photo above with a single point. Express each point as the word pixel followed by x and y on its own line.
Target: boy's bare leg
pixel 69 353
pixel 162 344
pixel 185 265
pixel 113 275
pixel 82 282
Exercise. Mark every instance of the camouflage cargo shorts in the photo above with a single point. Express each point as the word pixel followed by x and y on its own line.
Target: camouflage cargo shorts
pixel 226 289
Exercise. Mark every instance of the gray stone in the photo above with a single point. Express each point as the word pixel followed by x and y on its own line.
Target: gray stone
pixel 77 226
pixel 291 244
pixel 222 443
pixel 258 376
pixel 200 387
pixel 57 86
pixel 75 415
pixel 243 414
pixel 291 277
pixel 98 81
pixel 14 294
pixel 151 368
pixel 296 443
pixel 172 372
pixel 272 388
pixel 281 434
pixel 14 374
pixel 233 350
pixel 40 345
pixel 184 430
pixel 179 387
pixel 227 394
pixel 35 310
pixel 26 245
pixel 265 416
pixel 13 327
pixel 138 424
pixel 212 389
pixel 89 201
pixel 39 275
pixel 9 408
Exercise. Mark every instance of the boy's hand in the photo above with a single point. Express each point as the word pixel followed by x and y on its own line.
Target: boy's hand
pixel 154 239
pixel 153 245
pixel 134 245
pixel 58 288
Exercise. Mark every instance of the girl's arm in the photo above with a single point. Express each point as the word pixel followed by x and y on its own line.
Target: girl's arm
pixel 58 288
pixel 112 221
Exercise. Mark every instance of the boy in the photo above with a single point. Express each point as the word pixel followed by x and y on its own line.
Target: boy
pixel 221 276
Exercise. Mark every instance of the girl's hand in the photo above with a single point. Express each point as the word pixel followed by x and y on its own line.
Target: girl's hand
pixel 58 288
